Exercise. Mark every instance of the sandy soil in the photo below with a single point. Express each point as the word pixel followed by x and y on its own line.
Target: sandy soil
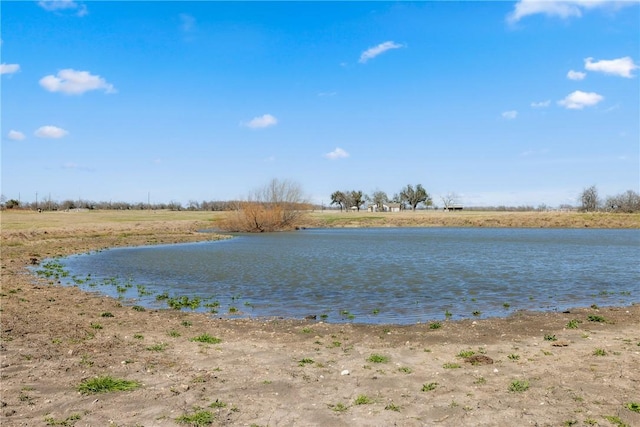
pixel 292 372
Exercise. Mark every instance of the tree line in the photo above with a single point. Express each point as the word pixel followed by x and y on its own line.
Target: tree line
pixel 408 198
pixel 591 201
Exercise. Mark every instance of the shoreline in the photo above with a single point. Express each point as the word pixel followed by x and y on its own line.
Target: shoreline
pixel 50 342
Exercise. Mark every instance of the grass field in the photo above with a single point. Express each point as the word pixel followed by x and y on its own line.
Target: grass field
pixel 15 220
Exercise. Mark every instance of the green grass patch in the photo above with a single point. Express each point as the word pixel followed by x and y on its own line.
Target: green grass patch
pixel 451 366
pixel 157 347
pixel 207 339
pixel 596 318
pixel 106 384
pixel 69 421
pixel 599 352
pixel 305 361
pixel 633 406
pixel 519 386
pixel 429 386
pixel 197 418
pixel 378 358
pixel 615 420
pixel 363 399
pixel 466 353
pixel 573 324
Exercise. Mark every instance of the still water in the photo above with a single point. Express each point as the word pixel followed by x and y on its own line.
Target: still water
pixel 380 275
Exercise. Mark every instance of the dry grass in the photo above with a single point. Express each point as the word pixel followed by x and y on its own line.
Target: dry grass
pixel 475 219
pixel 113 221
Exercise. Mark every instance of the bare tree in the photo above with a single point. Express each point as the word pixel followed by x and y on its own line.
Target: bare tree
pixel 627 202
pixel 277 206
pixel 589 200
pixel 449 200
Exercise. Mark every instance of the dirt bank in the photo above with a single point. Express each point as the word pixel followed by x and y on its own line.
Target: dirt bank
pixel 529 369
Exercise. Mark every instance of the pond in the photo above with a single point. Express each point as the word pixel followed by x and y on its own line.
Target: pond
pixel 374 275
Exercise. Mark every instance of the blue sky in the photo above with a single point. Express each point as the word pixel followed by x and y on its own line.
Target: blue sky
pixel 501 103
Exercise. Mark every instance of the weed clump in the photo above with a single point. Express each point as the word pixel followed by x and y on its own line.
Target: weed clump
pixel 106 384
pixel 378 358
pixel 207 339
pixel 519 386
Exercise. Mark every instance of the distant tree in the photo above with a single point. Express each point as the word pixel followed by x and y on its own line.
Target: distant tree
pixel 340 198
pixel 449 200
pixel 378 198
pixel 589 200
pixel 413 197
pixel 12 203
pixel 356 198
pixel 627 202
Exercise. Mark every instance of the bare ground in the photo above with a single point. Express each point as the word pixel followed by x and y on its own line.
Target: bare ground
pixel 291 372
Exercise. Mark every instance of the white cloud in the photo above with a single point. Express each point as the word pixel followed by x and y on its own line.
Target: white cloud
pixel 263 121
pixel 541 104
pixel 53 132
pixel 16 135
pixel 62 5
pixel 187 22
pixel 72 82
pixel 578 100
pixel 560 8
pixel 338 153
pixel 619 67
pixel 576 75
pixel 9 68
pixel 510 115
pixel 372 52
